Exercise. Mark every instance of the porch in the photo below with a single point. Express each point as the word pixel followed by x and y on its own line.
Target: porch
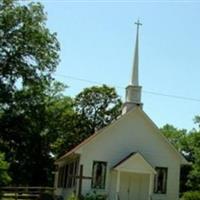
pixel 134 178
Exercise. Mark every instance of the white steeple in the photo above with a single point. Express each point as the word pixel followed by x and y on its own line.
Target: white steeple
pixel 133 90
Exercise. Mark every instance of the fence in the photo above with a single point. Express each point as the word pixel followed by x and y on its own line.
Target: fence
pixel 28 193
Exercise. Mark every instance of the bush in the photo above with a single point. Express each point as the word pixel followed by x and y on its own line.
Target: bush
pixel 4 177
pixel 72 197
pixel 94 196
pixel 90 196
pixel 193 195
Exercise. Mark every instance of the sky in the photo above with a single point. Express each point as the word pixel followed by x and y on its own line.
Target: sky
pixel 97 41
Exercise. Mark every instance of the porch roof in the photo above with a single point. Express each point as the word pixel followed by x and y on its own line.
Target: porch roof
pixel 135 163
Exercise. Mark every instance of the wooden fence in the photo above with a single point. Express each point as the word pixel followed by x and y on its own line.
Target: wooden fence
pixel 28 193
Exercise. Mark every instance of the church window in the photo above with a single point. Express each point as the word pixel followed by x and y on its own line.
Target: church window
pixel 70 175
pixel 67 175
pixel 60 176
pixel 99 175
pixel 160 180
pixel 75 172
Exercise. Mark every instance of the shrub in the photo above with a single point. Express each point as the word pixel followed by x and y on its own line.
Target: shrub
pixel 90 196
pixel 73 197
pixel 193 195
pixel 94 196
pixel 4 177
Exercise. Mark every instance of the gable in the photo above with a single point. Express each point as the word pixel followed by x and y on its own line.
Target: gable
pixel 133 131
pixel 134 162
pixel 164 139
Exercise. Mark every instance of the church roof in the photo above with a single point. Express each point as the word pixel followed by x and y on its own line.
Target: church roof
pixel 124 159
pixel 101 131
pixel 87 140
pixel 135 162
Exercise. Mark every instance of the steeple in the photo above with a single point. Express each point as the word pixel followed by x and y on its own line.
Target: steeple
pixel 133 90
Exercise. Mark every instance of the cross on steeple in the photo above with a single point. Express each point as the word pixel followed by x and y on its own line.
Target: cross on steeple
pixel 138 23
pixel 138 26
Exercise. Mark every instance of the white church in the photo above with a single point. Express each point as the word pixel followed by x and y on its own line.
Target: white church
pixel 127 160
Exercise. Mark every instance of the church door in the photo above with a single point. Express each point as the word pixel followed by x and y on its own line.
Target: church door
pixel 134 186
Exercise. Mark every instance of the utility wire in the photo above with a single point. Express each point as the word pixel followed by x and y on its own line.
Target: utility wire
pixel 120 87
pixel 85 80
pixel 113 1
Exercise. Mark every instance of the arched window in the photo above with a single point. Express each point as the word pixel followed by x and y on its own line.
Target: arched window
pixel 99 175
pixel 160 181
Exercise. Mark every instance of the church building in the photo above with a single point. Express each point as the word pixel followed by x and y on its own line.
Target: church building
pixel 127 160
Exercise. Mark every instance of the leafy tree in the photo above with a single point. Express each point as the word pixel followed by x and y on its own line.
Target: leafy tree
pixel 97 107
pixel 197 121
pixel 62 125
pixel 194 153
pixel 188 143
pixel 28 56
pixel 29 52
pixel 175 136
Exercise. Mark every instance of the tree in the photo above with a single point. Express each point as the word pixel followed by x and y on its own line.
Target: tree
pixel 194 155
pixel 62 124
pixel 28 57
pixel 97 107
pixel 175 136
pixel 188 143
pixel 29 52
pixel 194 175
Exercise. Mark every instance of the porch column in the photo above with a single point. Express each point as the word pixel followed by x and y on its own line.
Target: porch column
pixel 118 185
pixel 151 179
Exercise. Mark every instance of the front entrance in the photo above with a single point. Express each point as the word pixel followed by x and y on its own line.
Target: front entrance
pixel 134 186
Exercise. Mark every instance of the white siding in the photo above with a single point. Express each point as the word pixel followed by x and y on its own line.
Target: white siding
pixel 132 133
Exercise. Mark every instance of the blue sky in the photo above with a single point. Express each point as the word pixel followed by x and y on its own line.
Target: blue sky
pixel 97 41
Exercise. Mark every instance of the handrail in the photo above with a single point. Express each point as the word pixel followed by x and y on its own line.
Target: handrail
pixel 23 192
pixel 27 187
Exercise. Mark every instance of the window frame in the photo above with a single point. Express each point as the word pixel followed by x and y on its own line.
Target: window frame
pixel 163 191
pixel 67 174
pixel 105 175
pixel 61 172
pixel 70 175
